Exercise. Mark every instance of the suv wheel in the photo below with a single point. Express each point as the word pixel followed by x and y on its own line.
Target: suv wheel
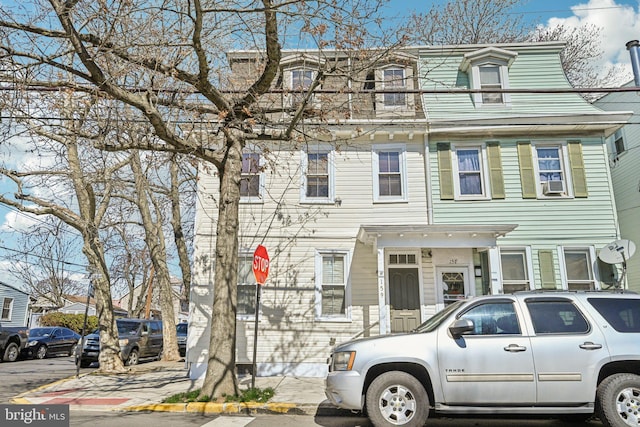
pixel 133 358
pixel 397 399
pixel 11 352
pixel 618 400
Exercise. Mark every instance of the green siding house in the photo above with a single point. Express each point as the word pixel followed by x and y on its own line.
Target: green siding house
pixel 480 173
pixel 530 155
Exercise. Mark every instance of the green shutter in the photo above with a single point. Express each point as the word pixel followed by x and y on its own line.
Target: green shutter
pixel 495 170
pixel 547 273
pixel 527 173
pixel 578 175
pixel 445 171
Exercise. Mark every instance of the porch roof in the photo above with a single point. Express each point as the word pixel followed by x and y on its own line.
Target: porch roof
pixel 433 235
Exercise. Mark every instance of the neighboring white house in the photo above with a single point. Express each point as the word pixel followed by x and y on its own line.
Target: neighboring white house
pixel 180 305
pixel 624 158
pixel 395 204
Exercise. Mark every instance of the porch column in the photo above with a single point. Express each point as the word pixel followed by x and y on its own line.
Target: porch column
pixel 382 303
pixel 494 270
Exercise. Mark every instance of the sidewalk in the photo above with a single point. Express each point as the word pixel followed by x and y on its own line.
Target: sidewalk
pixel 148 384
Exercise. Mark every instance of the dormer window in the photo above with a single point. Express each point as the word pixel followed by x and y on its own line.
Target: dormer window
pixel 490 79
pixel 394 79
pixel 488 69
pixel 299 72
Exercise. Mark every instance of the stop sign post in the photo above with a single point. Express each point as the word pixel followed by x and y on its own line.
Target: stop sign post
pixel 260 271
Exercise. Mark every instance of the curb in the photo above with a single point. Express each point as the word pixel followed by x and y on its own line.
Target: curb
pixel 227 408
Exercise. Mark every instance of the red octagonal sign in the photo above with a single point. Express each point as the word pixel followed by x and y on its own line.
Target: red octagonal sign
pixel 261 264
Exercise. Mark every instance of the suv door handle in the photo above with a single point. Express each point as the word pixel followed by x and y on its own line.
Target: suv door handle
pixel 590 346
pixel 515 348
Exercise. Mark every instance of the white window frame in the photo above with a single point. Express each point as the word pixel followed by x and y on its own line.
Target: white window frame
pixel 320 253
pixel 2 309
pixel 476 82
pixel 304 161
pixel 401 149
pixel 590 250
pixel 260 197
pixel 564 163
pixel 245 316
pixel 526 253
pixel 618 136
pixel 291 98
pixel 484 172
pixel 402 87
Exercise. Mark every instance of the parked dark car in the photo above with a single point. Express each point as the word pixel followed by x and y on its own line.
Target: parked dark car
pixel 50 341
pixel 181 332
pixel 138 339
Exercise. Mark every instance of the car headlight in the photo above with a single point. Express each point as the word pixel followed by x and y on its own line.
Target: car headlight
pixel 124 341
pixel 343 360
pixel 32 343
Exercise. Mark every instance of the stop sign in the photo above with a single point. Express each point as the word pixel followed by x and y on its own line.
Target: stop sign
pixel 261 264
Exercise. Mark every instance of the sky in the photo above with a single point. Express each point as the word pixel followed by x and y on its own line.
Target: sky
pixel 618 19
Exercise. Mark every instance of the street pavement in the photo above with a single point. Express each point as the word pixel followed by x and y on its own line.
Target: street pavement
pixel 146 385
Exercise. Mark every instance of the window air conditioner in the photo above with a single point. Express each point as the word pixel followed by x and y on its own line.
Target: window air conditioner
pixel 553 187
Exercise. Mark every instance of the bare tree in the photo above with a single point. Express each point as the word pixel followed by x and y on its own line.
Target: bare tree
pixel 72 187
pixel 153 55
pixel 460 22
pixel 43 261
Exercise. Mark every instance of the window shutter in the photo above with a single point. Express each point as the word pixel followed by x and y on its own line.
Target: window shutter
pixel 495 170
pixel 527 173
pixel 578 175
pixel 547 273
pixel 445 171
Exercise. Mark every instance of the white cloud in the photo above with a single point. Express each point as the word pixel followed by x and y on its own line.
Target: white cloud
pixel 18 222
pixel 619 23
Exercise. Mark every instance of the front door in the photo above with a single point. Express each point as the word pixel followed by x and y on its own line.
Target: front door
pixel 452 283
pixel 404 299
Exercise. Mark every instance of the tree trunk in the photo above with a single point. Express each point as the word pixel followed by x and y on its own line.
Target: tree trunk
pixel 154 237
pixel 221 375
pixel 109 358
pixel 178 233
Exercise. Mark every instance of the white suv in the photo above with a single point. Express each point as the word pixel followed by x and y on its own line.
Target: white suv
pixel 570 354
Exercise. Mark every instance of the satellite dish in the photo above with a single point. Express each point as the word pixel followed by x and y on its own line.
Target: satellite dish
pixel 617 252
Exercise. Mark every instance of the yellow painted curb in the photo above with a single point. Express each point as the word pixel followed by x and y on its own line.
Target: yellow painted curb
pixel 213 407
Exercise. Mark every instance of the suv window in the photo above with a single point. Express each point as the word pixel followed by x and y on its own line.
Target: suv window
pixel 127 328
pixel 156 327
pixel 556 317
pixel 493 318
pixel 623 314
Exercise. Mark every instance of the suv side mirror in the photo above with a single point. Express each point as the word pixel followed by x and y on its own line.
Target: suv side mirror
pixel 461 327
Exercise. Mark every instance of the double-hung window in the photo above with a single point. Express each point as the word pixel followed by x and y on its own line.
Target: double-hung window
pixel 390 177
pixel 7 308
pixel 301 80
pixel 515 270
pixel 469 168
pixel 490 79
pixel 331 284
pixel 578 269
pixel 618 142
pixel 394 80
pixel 250 178
pixel 318 175
pixel 551 169
pixel 246 293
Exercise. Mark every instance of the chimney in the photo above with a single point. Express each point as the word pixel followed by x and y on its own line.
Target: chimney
pixel 634 50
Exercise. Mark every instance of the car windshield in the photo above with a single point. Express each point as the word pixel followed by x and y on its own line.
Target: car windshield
pixel 181 328
pixel 435 320
pixel 40 332
pixel 127 328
